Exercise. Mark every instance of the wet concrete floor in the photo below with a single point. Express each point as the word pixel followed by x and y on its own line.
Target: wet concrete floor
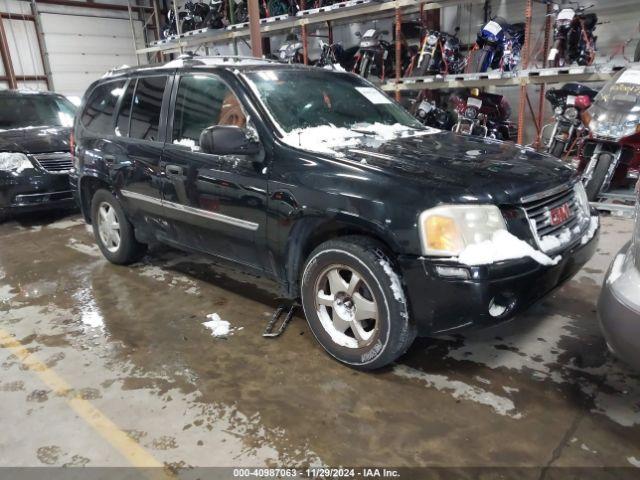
pixel 85 343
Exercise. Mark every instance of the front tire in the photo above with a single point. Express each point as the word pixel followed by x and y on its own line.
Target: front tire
pixel 113 232
pixel 355 304
pixel 594 185
pixel 557 149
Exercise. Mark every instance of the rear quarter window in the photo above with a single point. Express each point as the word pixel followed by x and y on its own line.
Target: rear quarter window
pixel 97 115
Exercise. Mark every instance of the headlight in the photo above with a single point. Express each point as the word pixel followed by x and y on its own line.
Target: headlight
pixel 448 229
pixel 571 113
pixel 14 162
pixel 582 199
pixel 432 39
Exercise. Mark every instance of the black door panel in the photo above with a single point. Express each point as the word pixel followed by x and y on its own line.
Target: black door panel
pixel 215 203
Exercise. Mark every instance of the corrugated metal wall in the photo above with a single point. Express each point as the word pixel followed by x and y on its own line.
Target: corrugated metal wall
pixel 80 43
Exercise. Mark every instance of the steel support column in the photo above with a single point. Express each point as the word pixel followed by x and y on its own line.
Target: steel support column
pixel 254 28
pixel 6 58
pixel 305 45
pixel 525 64
pixel 44 55
pixel 545 50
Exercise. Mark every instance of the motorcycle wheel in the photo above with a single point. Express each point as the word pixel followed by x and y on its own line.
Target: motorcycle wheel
pixel 365 66
pixel 421 70
pixel 597 179
pixel 557 149
pixel 478 61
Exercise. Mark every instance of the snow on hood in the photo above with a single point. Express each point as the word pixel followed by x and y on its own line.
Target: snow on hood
pixel 328 138
pixel 502 246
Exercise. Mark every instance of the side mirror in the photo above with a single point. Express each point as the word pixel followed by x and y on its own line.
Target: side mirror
pixel 357 34
pixel 228 140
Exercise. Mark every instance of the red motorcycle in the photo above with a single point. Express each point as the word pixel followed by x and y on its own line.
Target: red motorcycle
pixel 484 115
pixel 610 155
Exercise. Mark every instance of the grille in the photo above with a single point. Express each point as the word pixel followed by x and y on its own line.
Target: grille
pixel 56 162
pixel 539 210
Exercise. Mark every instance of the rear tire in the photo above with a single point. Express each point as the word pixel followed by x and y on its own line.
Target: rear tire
pixel 114 234
pixel 355 304
pixel 597 179
pixel 478 60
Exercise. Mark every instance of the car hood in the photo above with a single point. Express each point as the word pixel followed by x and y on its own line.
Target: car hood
pixel 472 169
pixel 35 139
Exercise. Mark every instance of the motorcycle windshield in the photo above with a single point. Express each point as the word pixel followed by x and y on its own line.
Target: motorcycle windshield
pixel 615 112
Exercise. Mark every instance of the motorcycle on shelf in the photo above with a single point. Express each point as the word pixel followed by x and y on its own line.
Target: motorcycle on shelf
pixel 497 46
pixel 375 54
pixel 569 102
pixel 485 115
pixel 216 17
pixel 610 156
pixel 275 8
pixel 196 15
pixel 331 55
pixel 430 114
pixel 291 50
pixel 439 52
pixel 573 38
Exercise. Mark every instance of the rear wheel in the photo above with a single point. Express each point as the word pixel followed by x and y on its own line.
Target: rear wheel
pixel 113 232
pixel 480 61
pixel 355 304
pixel 594 185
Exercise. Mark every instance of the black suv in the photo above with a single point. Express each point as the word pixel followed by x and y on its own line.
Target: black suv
pixel 384 228
pixel 34 151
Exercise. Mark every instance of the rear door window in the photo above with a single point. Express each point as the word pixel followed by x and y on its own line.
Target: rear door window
pixel 97 116
pixel 146 108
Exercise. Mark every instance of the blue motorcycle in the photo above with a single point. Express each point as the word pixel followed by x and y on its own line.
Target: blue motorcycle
pixel 497 47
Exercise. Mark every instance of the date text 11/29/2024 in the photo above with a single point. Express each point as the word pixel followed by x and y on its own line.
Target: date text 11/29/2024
pixel 316 472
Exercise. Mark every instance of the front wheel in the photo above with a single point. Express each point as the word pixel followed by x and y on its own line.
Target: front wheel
pixel 594 185
pixel 481 61
pixel 355 304
pixel 557 148
pixel 113 232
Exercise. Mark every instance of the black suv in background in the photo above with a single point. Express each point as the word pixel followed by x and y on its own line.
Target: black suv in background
pixel 384 228
pixel 34 151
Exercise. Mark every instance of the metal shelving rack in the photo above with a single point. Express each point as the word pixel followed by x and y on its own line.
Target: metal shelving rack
pixel 367 10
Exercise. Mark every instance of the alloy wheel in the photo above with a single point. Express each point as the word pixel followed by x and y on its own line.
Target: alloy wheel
pixel 109 227
pixel 346 306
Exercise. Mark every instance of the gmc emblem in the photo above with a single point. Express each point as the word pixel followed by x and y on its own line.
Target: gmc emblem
pixel 560 214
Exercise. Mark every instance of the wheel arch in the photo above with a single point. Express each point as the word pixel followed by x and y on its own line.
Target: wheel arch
pixel 88 185
pixel 307 234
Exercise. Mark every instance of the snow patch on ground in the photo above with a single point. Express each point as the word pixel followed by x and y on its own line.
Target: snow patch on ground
pixel 634 461
pixel 586 448
pixel 219 327
pixel 502 246
pixel 64 224
pixel 91 250
pixel 460 390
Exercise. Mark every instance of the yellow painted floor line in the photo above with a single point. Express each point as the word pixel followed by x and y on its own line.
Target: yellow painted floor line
pixel 131 450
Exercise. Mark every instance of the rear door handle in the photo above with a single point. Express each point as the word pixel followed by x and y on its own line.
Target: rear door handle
pixel 173 171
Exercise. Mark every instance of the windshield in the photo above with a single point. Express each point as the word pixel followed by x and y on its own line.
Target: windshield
pixel 305 99
pixel 622 93
pixel 23 111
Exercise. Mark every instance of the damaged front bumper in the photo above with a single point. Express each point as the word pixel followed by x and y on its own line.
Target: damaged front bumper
pixel 447 296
